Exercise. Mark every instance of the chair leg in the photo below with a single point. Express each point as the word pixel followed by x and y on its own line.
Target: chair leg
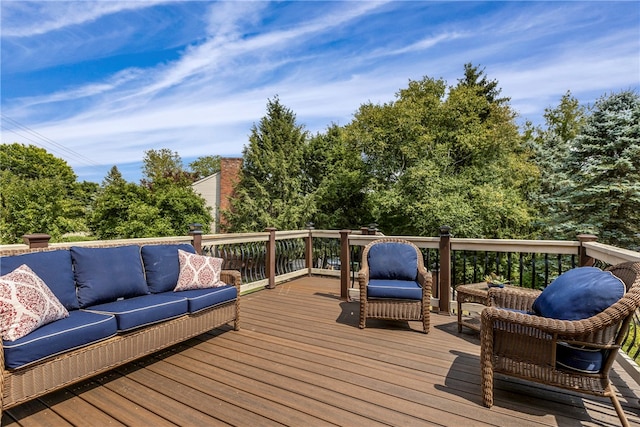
pixel 363 314
pixel 618 407
pixel 486 365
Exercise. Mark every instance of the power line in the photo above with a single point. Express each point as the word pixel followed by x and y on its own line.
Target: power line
pixel 42 140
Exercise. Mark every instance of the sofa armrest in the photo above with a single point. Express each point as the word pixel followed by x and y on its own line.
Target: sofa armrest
pixel 231 277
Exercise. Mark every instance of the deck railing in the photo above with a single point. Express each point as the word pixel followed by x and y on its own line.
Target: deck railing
pixel 270 257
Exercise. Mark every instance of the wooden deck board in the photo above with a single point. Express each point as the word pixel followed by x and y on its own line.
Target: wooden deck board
pixel 300 359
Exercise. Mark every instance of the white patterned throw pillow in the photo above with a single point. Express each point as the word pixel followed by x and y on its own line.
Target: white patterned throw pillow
pixel 26 303
pixel 198 271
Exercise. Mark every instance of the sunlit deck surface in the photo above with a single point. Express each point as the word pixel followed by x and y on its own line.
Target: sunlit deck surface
pixel 300 360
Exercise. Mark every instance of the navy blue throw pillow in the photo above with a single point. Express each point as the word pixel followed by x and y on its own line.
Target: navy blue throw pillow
pixel 579 294
pixel 162 266
pixel 107 274
pixel 53 267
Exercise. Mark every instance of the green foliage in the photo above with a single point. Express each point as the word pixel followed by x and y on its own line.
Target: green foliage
pixel 604 170
pixel 336 180
pixel 205 166
pixel 164 165
pixel 270 190
pixel 126 210
pixel 38 194
pixel 435 160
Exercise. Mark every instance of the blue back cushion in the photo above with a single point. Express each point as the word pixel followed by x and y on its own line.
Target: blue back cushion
pixel 392 261
pixel 53 267
pixel 107 274
pixel 161 265
pixel 579 294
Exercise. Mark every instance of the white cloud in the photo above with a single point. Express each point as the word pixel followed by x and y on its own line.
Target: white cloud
pixel 44 17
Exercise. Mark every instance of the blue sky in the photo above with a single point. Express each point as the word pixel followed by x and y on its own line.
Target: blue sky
pixel 98 83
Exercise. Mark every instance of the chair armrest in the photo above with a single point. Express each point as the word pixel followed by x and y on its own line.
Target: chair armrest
pixel 425 279
pixel 596 331
pixel 363 280
pixel 512 297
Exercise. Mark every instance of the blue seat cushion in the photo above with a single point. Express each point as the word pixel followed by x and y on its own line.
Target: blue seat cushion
pixel 53 267
pixel 393 261
pixel 199 299
pixel 132 313
pixel 579 294
pixel 79 329
pixel 107 274
pixel 161 265
pixel 395 289
pixel 578 358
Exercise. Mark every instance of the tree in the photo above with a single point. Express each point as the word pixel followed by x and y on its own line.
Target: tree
pixel 38 194
pixel 205 166
pixel 604 168
pixel 551 147
pixel 161 164
pixel 435 160
pixel 335 178
pixel 476 79
pixel 111 211
pixel 269 192
pixel 126 210
pixel 393 136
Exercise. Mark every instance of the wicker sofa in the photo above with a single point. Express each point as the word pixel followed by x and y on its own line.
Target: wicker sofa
pixel 121 306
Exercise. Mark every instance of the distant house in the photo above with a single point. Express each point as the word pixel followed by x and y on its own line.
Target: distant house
pixel 217 189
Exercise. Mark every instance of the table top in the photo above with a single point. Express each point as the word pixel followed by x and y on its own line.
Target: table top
pixel 480 289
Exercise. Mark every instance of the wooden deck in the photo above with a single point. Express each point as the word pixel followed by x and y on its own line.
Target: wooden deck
pixel 300 360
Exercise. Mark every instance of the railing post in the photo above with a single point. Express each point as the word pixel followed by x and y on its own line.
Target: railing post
pixel 308 249
pixel 271 258
pixel 345 263
pixel 445 269
pixel 585 260
pixel 195 231
pixel 37 240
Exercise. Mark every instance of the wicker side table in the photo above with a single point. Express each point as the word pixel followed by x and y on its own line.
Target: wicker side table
pixel 473 293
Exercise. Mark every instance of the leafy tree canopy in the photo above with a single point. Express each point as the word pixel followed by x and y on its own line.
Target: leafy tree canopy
pixel 435 159
pixel 205 166
pixel 38 194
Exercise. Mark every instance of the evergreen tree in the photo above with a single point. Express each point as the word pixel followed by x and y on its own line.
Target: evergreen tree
pixel 552 147
pixel 475 78
pixel 604 167
pixel 270 189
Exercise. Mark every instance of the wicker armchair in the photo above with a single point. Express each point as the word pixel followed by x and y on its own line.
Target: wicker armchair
pixel 394 284
pixel 524 346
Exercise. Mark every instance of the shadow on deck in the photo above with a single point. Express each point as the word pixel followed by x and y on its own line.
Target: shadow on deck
pixel 301 360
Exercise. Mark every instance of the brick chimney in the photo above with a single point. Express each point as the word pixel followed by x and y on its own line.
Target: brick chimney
pixel 229 175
